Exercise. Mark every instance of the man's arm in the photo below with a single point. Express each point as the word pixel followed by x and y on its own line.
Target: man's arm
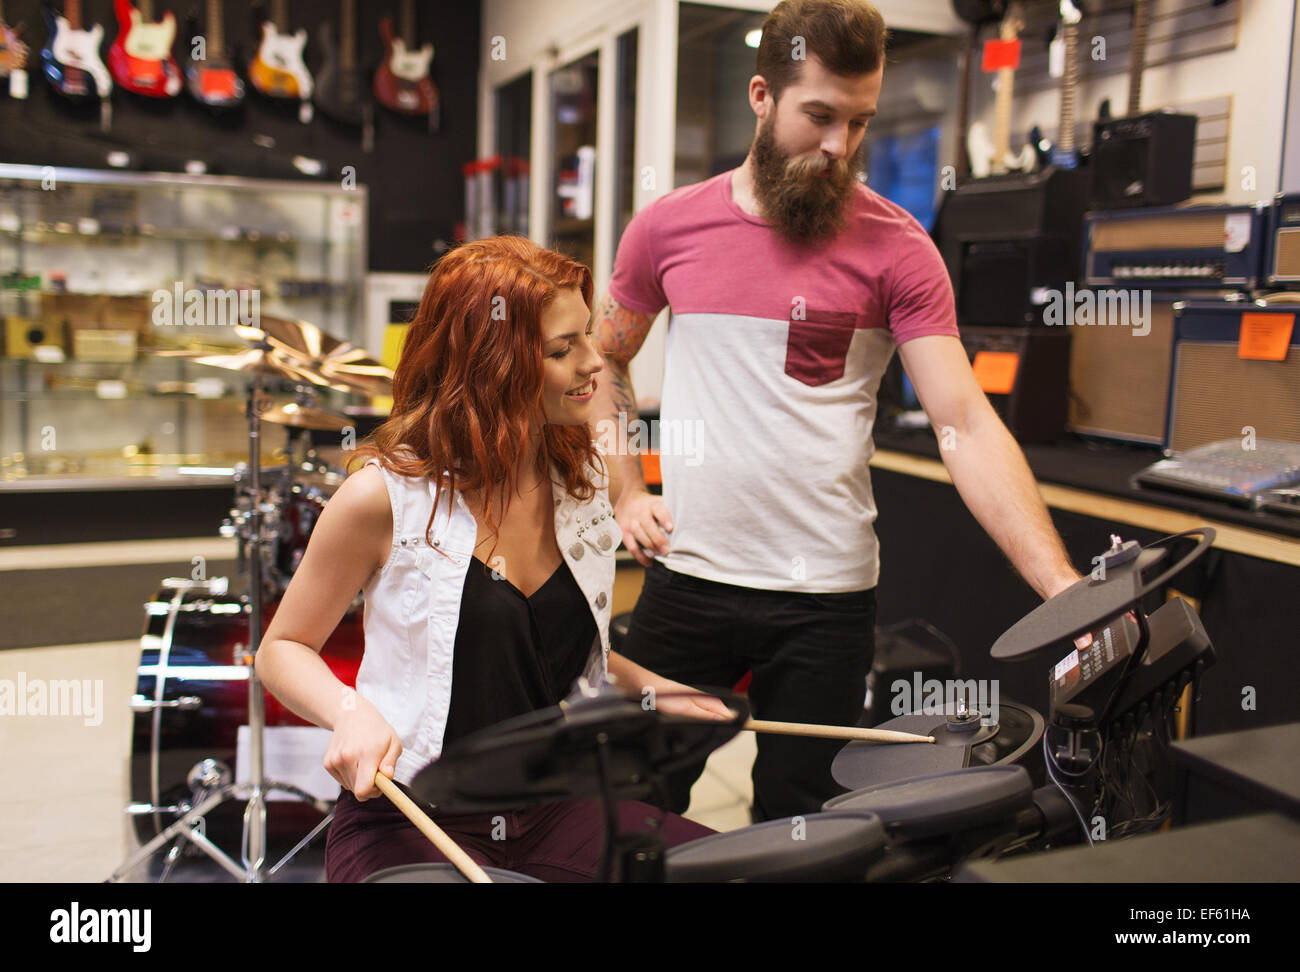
pixel 620 332
pixel 986 464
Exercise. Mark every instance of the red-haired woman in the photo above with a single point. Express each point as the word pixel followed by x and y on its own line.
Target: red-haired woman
pixel 486 598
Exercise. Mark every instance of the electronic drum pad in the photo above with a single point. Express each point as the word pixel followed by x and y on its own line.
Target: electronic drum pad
pixel 959 742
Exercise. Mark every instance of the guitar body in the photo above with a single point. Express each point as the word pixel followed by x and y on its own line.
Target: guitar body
pixel 278 70
pixel 71 60
pixel 340 91
pixel 214 82
pixel 983 154
pixel 13 52
pixel 402 83
pixel 141 57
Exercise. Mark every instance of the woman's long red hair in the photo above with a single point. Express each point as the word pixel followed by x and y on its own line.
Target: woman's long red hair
pixel 468 386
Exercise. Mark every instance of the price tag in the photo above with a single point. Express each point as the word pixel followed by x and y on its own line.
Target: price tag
pixel 999 54
pixel 996 371
pixel 1265 337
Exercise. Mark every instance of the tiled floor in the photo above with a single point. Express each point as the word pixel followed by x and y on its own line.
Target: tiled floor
pixel 66 781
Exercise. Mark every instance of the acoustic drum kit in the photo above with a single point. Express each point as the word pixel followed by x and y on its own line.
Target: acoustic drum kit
pixel 196 683
pixel 927 791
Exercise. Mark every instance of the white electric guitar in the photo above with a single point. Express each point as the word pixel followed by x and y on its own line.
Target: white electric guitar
pixel 72 56
pixel 279 70
pixel 993 156
pixel 403 83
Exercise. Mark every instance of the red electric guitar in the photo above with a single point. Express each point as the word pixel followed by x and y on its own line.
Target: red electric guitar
pixel 212 79
pixel 141 57
pixel 13 58
pixel 402 83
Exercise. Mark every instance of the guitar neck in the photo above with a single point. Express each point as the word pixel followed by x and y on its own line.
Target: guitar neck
pixel 280 15
pixel 146 10
pixel 1141 21
pixel 1009 30
pixel 72 13
pixel 408 24
pixel 348 35
pixel 216 32
pixel 1068 83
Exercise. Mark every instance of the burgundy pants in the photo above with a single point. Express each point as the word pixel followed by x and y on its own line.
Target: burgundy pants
pixel 556 842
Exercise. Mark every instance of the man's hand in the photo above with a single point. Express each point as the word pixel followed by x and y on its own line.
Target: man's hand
pixel 644 519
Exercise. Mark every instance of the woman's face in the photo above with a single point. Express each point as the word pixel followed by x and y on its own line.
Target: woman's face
pixel 570 361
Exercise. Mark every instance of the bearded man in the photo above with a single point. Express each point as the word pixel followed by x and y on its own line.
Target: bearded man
pixel 790 284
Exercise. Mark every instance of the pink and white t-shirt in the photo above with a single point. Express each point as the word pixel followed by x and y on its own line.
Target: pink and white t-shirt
pixel 774 357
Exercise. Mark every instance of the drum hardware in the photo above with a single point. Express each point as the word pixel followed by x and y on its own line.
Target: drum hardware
pixel 189 826
pixel 596 743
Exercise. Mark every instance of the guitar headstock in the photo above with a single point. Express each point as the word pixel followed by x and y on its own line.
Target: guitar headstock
pixel 1013 21
pixel 1070 13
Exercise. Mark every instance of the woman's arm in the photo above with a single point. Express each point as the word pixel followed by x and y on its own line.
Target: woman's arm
pixel 350 541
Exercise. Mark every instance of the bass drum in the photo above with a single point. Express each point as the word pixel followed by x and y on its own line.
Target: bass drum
pixel 192 697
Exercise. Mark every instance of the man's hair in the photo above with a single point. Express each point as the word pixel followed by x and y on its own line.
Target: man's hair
pixel 848 37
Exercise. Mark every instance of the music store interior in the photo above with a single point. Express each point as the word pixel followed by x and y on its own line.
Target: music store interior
pixel 217 221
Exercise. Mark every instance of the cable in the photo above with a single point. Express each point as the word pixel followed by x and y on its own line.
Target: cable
pixel 1047 761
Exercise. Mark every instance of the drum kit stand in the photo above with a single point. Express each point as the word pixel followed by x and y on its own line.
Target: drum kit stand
pixel 299 352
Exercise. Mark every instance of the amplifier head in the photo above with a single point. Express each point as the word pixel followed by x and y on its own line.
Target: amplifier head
pixel 1283 262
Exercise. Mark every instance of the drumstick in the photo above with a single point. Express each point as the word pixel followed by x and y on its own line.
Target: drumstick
pixel 464 863
pixel 835 732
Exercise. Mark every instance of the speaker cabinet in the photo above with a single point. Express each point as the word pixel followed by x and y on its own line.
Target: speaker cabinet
pixel 1034 408
pixel 1145 160
pixel 1283 261
pixel 1215 393
pixel 1119 380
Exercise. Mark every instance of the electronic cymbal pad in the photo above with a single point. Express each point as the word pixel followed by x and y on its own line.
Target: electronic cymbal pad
pixel 1120 578
pixel 960 741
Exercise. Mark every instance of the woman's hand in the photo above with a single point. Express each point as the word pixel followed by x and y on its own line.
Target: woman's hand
pixel 674 698
pixel 362 744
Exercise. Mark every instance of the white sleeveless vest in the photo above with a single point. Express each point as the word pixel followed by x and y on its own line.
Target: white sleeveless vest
pixel 412 604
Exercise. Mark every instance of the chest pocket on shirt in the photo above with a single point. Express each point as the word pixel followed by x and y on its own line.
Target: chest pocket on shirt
pixel 817 347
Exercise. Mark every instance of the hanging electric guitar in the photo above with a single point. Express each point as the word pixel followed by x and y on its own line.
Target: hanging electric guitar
pixel 340 88
pixel 13 58
pixel 141 57
pixel 278 70
pixel 402 82
pixel 212 79
pixel 1137 66
pixel 71 59
pixel 994 156
pixel 1064 153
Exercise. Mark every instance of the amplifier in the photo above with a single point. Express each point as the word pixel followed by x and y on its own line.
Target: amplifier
pixel 1024 372
pixel 1007 239
pixel 1119 377
pixel 1282 265
pixel 1215 393
pixel 1143 160
pixel 1194 247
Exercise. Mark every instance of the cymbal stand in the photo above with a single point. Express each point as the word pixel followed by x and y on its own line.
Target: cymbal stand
pixel 216 789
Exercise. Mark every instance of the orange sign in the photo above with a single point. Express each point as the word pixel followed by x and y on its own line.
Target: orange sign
pixel 1264 337
pixel 1000 54
pixel 996 371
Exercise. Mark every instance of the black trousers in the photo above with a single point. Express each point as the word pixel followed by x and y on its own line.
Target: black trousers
pixel 809 654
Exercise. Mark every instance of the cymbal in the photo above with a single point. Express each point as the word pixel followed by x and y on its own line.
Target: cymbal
pixel 254 361
pixel 337 361
pixel 302 417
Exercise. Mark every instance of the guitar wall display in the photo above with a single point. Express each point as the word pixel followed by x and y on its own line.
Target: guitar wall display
pixel 994 156
pixel 212 81
pixel 141 58
pixel 13 58
pixel 71 59
pixel 341 91
pixel 403 83
pixel 278 70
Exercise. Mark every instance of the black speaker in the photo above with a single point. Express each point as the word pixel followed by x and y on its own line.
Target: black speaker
pixel 1009 239
pixel 1145 160
pixel 1034 405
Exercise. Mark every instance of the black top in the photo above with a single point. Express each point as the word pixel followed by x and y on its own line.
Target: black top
pixel 514 654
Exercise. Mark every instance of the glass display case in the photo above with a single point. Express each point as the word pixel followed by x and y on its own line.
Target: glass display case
pixel 573 145
pixel 103 273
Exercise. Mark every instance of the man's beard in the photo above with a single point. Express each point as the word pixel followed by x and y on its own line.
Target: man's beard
pixel 801 205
